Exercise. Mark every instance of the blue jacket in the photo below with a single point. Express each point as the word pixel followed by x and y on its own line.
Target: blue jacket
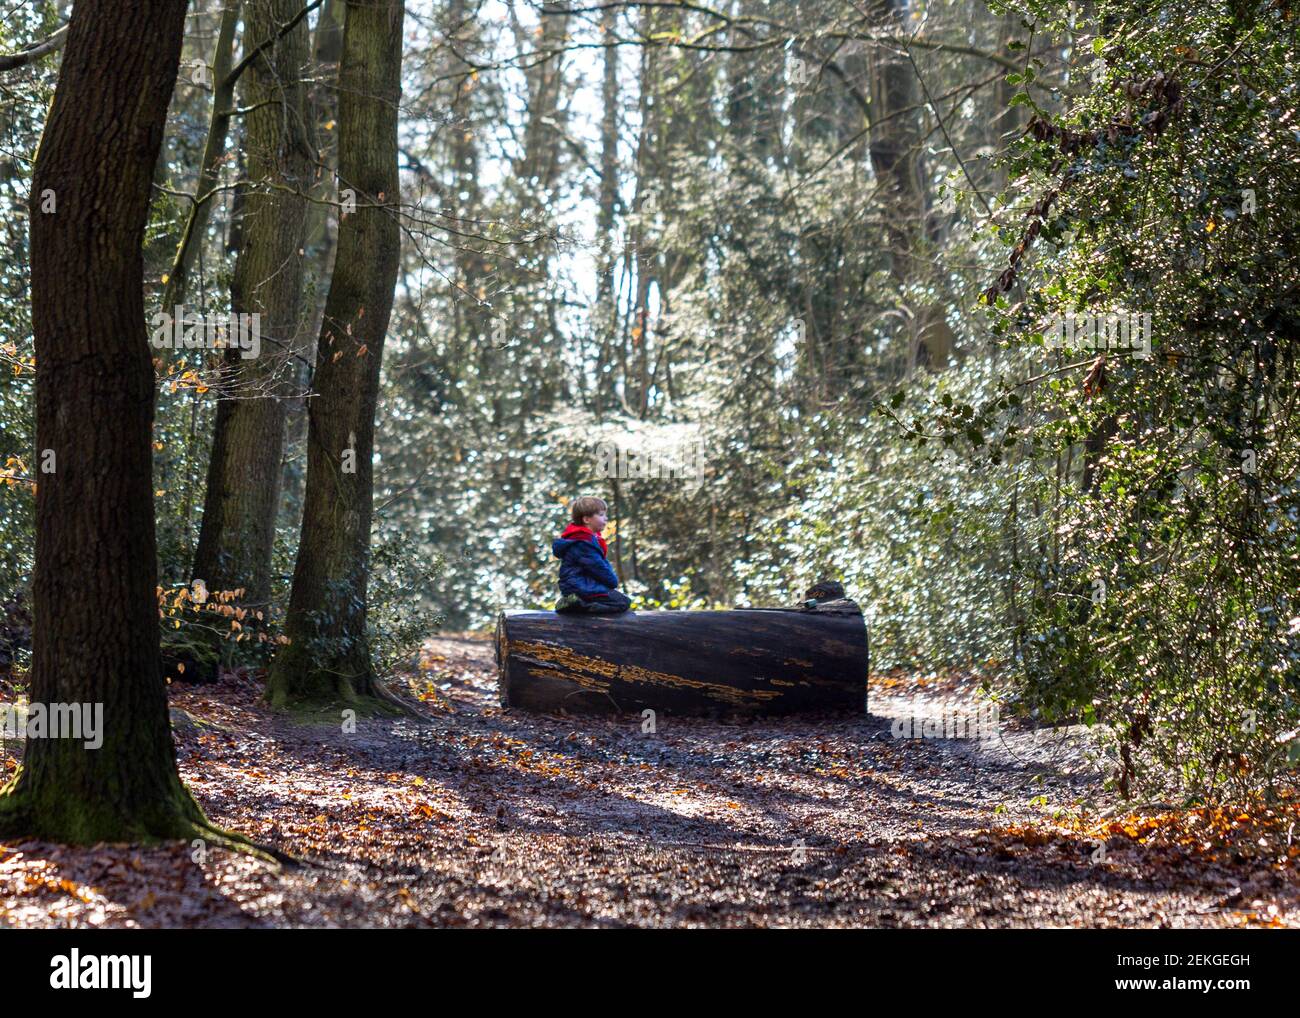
pixel 584 569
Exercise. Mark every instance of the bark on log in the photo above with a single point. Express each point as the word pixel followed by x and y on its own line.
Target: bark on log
pixel 766 661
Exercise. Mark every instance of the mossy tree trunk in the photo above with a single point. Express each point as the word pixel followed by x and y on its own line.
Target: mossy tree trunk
pixel 237 536
pixel 96 610
pixel 328 656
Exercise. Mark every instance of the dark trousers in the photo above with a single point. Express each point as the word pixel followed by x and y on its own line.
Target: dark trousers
pixel 614 602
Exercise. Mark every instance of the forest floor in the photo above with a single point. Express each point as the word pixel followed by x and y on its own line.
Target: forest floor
pixel 487 817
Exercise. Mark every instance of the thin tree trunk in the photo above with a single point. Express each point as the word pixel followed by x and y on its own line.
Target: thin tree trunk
pixel 897 157
pixel 606 303
pixel 96 609
pixel 320 236
pixel 473 319
pixel 642 252
pixel 243 491
pixel 328 656
pixel 223 100
pixel 1005 120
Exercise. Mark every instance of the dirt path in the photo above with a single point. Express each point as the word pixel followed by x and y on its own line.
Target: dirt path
pixel 485 817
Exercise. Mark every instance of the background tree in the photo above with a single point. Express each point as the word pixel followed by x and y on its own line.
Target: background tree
pixel 328 655
pixel 214 150
pixel 243 489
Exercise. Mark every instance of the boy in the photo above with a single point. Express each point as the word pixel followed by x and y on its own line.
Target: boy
pixel 588 582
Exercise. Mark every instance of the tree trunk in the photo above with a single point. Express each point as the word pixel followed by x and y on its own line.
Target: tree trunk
pixel 897 157
pixel 328 656
pixel 96 609
pixel 606 303
pixel 223 94
pixel 319 237
pixel 1004 120
pixel 544 134
pixel 243 491
pixel 644 205
pixel 472 314
pixel 764 661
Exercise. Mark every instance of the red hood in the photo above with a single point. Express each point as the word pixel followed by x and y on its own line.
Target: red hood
pixel 577 532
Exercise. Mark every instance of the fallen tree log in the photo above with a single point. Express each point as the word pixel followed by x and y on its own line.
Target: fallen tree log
pixel 765 661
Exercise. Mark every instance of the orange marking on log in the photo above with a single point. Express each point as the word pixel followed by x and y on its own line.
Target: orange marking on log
pixel 582 670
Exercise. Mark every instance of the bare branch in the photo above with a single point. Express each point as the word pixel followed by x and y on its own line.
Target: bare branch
pixel 9 61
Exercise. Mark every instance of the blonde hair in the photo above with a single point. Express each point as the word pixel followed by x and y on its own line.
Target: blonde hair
pixel 588 505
